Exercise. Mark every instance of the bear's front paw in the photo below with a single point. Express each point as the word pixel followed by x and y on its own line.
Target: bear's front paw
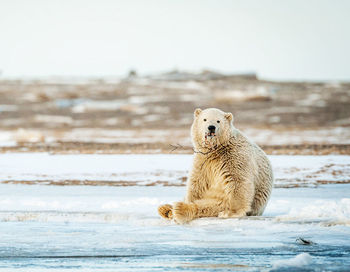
pixel 166 211
pixel 183 212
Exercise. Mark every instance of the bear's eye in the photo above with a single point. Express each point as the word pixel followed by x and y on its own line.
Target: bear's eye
pixel 217 121
pixel 204 120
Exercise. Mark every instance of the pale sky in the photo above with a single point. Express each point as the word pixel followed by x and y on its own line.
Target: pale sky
pixel 282 40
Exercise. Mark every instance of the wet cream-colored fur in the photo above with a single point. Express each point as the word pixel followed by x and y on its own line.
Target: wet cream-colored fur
pixel 230 177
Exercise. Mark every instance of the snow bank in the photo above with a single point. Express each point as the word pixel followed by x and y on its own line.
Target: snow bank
pixel 88 106
pixel 300 260
pixel 327 135
pixel 8 108
pixel 320 209
pixel 258 94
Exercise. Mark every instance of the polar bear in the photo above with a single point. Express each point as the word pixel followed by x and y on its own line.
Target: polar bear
pixel 230 177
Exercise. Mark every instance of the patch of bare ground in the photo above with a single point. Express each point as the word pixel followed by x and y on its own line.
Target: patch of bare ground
pixel 66 116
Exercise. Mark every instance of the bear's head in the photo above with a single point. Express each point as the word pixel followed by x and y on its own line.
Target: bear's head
pixel 211 128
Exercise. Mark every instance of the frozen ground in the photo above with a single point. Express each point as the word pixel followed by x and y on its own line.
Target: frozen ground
pixel 147 114
pixel 116 228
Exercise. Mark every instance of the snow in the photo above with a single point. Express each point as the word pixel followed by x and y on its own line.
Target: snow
pixel 88 106
pixel 43 118
pixel 338 210
pixel 166 169
pixel 326 135
pixel 260 93
pixel 8 143
pixel 46 202
pixel 4 108
pixel 117 228
pixel 298 261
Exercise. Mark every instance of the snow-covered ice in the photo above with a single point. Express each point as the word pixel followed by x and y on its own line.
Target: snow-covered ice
pixel 105 227
pixel 117 228
pixel 298 261
pixel 164 169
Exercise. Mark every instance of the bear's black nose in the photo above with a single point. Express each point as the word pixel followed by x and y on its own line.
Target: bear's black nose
pixel 211 128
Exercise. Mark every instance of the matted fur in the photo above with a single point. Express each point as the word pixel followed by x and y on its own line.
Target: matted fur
pixel 230 177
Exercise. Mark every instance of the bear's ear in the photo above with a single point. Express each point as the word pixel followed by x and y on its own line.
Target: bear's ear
pixel 229 116
pixel 197 112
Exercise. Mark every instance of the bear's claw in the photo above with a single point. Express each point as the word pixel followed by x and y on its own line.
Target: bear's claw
pixel 166 211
